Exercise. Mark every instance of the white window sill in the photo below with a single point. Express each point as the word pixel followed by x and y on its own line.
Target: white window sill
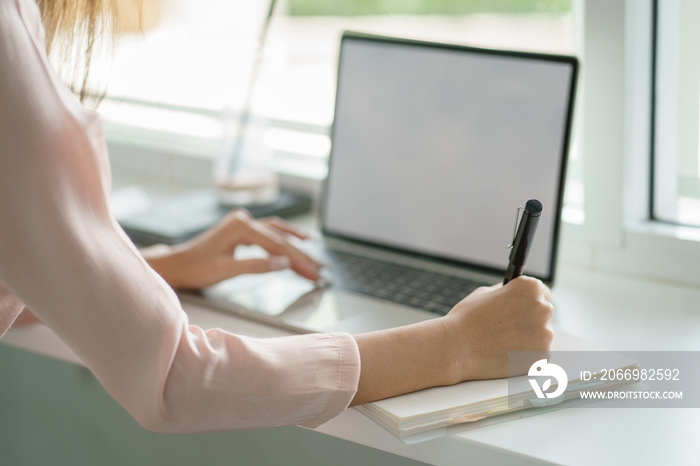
pixel 649 249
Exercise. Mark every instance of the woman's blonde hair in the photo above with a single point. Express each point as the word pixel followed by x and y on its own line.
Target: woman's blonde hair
pixel 76 32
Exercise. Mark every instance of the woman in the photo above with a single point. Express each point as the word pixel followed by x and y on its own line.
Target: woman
pixel 63 256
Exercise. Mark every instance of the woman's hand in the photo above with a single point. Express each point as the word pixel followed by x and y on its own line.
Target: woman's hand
pixel 471 342
pixel 209 258
pixel 492 321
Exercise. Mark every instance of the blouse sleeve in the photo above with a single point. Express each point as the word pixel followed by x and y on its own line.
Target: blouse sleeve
pixel 63 255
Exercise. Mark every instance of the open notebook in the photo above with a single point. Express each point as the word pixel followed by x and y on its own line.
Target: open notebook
pixel 436 409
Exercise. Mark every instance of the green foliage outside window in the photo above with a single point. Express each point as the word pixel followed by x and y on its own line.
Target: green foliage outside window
pixel 424 7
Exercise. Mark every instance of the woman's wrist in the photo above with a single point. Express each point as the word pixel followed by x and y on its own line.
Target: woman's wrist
pixel 456 359
pixel 163 259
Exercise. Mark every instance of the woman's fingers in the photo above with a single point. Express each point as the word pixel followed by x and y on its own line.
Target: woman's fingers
pixel 281 226
pixel 246 230
pixel 233 268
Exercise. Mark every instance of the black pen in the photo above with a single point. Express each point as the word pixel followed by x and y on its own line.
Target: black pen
pixel 522 241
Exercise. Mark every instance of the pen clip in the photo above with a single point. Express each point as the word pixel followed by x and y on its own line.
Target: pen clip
pixel 518 216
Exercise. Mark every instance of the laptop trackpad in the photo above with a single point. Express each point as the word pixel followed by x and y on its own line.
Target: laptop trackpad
pixel 297 302
pixel 270 294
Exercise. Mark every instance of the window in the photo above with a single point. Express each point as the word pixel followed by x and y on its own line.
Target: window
pixel 181 85
pixel 676 196
pixel 619 234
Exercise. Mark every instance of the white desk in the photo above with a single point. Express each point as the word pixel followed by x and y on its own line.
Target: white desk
pixel 619 313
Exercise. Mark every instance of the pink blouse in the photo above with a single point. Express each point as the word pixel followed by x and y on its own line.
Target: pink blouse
pixel 64 256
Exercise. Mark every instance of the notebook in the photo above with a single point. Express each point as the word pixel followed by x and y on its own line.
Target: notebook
pixel 439 411
pixel 433 148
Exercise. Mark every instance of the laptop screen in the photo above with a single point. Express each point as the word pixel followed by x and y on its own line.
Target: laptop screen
pixel 435 146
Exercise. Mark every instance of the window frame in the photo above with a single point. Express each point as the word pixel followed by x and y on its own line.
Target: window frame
pixel 619 234
pixel 676 73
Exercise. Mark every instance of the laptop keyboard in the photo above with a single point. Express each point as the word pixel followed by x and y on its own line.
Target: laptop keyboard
pixel 431 291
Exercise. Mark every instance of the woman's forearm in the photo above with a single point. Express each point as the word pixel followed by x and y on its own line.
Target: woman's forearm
pixel 404 360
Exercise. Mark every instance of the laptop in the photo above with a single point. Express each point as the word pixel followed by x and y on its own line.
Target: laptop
pixel 434 146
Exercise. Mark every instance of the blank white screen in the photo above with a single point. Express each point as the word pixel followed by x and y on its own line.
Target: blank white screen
pixel 433 149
